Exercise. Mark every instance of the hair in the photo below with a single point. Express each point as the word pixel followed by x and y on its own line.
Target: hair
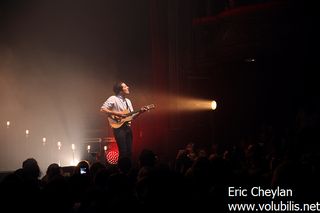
pixel 31 168
pixel 53 169
pixel 117 87
pixel 82 164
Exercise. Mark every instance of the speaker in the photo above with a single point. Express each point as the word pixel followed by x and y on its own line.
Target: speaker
pixel 92 149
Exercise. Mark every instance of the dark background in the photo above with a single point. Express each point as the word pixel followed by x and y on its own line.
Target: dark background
pixel 59 59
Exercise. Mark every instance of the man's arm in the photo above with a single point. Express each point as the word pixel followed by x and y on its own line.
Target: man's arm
pixel 143 109
pixel 108 107
pixel 111 112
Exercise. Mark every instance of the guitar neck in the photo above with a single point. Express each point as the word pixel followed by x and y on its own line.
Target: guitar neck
pixel 151 106
pixel 133 112
pixel 117 122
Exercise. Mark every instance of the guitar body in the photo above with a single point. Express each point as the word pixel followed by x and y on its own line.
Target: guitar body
pixel 116 121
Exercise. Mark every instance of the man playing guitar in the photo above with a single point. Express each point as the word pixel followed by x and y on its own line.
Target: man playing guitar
pixel 120 113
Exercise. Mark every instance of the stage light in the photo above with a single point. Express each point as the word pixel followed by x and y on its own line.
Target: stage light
pixel 44 140
pixel 74 162
pixel 8 124
pixel 27 132
pixel 88 148
pixel 59 145
pixel 59 149
pixel 193 104
pixel 174 103
pixel 73 148
pixel 213 105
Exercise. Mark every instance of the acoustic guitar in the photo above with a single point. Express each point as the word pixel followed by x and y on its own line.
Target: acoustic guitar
pixel 117 122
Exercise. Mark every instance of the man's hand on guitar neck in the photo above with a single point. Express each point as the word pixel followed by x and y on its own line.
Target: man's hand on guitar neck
pixel 143 109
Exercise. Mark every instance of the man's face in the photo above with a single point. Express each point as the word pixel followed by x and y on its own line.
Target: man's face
pixel 125 88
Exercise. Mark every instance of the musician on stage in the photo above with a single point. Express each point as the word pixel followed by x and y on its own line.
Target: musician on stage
pixel 118 107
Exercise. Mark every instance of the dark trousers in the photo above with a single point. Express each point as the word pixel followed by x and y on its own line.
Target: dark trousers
pixel 123 136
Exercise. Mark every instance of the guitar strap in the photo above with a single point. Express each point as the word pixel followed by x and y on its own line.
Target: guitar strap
pixel 128 123
pixel 128 108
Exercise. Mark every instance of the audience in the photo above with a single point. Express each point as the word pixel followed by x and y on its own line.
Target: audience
pixel 199 177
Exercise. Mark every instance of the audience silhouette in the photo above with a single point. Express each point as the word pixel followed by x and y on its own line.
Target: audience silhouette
pixel 198 177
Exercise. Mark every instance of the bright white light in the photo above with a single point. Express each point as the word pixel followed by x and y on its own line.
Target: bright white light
pixel 59 145
pixel 249 60
pixel 8 124
pixel 105 148
pixel 213 105
pixel 27 132
pixel 44 141
pixel 74 162
pixel 73 147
